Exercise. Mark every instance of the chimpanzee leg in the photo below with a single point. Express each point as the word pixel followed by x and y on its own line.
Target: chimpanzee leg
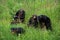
pixel 41 25
pixel 48 26
pixel 36 25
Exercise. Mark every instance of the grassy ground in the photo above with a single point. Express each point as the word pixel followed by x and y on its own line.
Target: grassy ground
pixel 8 8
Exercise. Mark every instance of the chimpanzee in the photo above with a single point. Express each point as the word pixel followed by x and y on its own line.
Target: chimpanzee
pixel 20 15
pixel 45 22
pixel 17 31
pixel 33 21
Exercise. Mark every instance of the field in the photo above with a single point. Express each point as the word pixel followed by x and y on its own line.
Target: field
pixel 50 8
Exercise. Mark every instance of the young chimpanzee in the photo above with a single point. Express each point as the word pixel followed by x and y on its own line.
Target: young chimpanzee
pixel 20 15
pixel 17 31
pixel 45 22
pixel 33 21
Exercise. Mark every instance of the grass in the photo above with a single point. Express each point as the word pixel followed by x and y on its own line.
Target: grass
pixel 8 9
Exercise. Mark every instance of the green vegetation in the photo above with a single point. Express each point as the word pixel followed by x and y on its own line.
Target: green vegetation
pixel 8 8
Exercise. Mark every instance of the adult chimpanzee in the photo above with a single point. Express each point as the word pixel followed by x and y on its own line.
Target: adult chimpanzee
pixel 20 15
pixel 17 30
pixel 45 22
pixel 33 21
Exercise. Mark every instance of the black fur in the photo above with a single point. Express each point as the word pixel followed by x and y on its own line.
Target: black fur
pixel 33 21
pixel 45 21
pixel 17 30
pixel 20 15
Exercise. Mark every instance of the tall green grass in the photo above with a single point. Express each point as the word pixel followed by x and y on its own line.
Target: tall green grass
pixel 50 8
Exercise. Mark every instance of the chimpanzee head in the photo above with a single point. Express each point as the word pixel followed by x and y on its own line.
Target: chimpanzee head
pixel 21 12
pixel 13 30
pixel 34 20
pixel 34 17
